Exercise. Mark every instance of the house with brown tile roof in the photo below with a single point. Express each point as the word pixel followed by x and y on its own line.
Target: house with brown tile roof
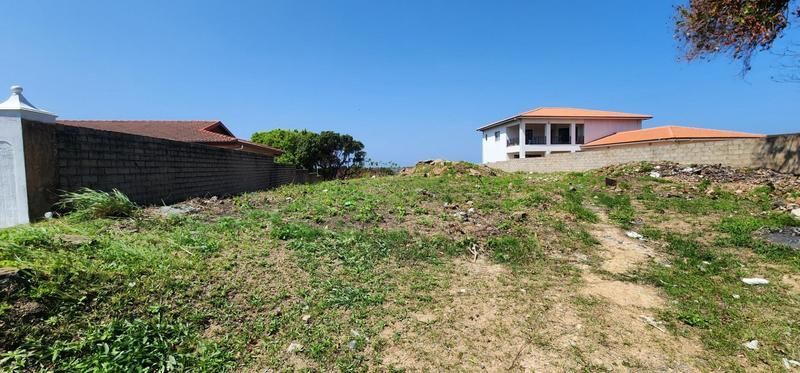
pixel 207 132
pixel 546 130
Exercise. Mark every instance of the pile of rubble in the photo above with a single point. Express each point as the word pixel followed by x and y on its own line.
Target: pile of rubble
pixel 439 167
pixel 713 173
pixel 724 174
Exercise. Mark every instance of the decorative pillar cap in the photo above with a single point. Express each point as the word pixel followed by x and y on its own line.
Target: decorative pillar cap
pixel 18 102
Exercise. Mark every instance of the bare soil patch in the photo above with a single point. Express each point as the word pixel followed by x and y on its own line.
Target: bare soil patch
pixel 480 323
pixel 620 253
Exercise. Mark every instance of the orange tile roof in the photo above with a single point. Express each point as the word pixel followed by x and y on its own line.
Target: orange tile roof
pixel 567 112
pixel 209 132
pixel 667 133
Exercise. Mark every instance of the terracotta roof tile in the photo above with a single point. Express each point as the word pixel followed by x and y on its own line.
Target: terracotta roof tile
pixel 178 130
pixel 197 131
pixel 667 133
pixel 567 112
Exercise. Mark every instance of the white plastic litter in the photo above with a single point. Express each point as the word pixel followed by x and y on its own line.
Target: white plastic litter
pixel 752 345
pixel 755 281
pixel 634 235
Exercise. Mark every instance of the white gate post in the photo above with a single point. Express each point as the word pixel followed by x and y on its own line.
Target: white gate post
pixel 13 177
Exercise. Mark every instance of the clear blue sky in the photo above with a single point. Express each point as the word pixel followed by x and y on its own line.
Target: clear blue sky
pixel 411 79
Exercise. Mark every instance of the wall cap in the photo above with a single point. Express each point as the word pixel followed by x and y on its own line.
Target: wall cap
pixel 18 102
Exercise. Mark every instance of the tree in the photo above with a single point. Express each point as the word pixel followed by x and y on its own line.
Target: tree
pixel 737 28
pixel 329 153
pixel 339 154
pixel 298 146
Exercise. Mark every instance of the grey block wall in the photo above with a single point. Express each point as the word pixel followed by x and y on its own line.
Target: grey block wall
pixel 149 170
pixel 778 152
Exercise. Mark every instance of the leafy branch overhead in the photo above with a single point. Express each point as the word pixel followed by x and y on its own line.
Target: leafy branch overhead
pixel 329 153
pixel 736 28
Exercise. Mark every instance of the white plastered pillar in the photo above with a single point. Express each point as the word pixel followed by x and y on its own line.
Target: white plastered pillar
pixel 572 134
pixel 13 177
pixel 521 139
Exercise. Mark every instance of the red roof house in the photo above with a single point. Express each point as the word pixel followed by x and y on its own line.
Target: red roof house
pixel 207 132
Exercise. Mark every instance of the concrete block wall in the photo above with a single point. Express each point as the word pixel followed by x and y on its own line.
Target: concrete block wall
pixel 777 152
pixel 149 170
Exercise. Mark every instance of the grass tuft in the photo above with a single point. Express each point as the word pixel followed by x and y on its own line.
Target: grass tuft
pixel 93 204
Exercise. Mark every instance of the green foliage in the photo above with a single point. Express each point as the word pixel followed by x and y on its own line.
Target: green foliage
pixel 509 249
pixel 737 28
pixel 154 344
pixel 91 204
pixel 329 153
pixel 620 208
pixel 331 265
pixel 299 146
pixel 573 203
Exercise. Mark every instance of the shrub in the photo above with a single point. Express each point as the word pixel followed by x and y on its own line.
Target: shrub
pixel 92 204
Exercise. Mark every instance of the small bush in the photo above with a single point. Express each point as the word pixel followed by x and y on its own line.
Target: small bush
pixel 93 204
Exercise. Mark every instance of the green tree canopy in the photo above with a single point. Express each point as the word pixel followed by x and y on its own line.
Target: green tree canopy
pixel 329 153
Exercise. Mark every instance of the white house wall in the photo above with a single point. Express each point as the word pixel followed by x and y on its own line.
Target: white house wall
pixel 494 150
pixel 594 129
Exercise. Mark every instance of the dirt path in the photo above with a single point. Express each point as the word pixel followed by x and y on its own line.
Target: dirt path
pixel 495 319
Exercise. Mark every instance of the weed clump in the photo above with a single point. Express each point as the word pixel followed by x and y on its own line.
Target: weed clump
pixel 93 204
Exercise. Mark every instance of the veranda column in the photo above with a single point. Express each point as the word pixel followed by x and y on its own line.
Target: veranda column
pixel 572 135
pixel 521 139
pixel 547 136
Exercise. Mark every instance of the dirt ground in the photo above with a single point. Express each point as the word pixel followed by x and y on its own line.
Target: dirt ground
pixel 494 319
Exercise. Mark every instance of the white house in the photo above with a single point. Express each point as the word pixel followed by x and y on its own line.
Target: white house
pixel 547 130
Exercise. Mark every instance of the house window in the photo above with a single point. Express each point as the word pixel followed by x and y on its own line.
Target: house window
pixel 497 135
pixel 559 133
pixel 579 133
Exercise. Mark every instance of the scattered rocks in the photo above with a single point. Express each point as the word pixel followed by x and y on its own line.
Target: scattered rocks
pixel 49 215
pixel 796 212
pixel 294 348
pixel 352 345
pixel 463 215
pixel 306 318
pixel 12 280
pixel 653 322
pixel 752 345
pixel 788 236
pixel 782 183
pixel 790 364
pixel 75 239
pixel 438 167
pixel 755 281
pixel 177 210
pixel 519 216
pixel 655 174
pixel 611 182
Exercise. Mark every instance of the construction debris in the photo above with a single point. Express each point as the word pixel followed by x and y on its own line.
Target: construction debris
pixel 752 345
pixel 755 281
pixel 294 347
pixel 788 236
pixel 790 364
pixel 634 235
pixel 440 167
pixel 774 180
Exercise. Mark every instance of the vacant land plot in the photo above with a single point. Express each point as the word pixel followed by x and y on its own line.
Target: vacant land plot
pixel 449 268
